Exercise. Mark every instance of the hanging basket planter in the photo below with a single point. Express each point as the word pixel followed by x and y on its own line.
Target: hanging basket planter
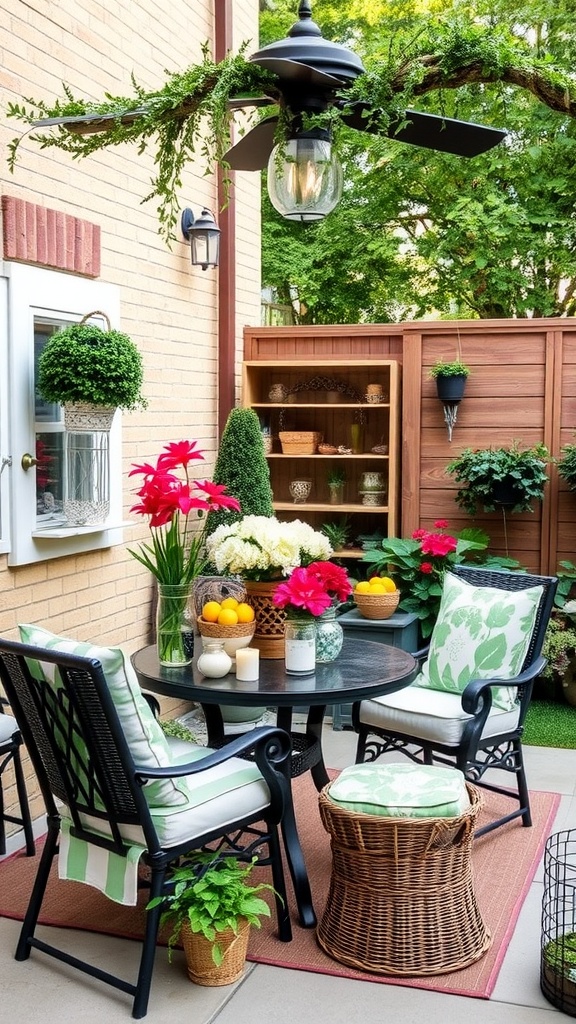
pixel 450 388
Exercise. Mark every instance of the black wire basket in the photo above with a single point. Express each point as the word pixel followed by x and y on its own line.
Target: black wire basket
pixel 558 955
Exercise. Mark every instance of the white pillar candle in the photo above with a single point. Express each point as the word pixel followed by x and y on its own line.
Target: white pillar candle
pixel 247 663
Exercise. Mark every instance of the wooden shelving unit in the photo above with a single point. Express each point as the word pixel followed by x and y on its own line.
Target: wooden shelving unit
pixel 329 397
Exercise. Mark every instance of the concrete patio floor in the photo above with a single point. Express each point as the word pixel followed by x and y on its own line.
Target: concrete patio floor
pixel 42 991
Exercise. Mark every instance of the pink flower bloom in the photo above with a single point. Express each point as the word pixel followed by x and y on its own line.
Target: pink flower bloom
pixel 302 591
pixel 441 524
pixel 334 579
pixel 438 544
pixel 179 453
pixel 426 567
pixel 418 534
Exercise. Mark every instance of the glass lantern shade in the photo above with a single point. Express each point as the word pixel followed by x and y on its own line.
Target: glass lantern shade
pixel 304 179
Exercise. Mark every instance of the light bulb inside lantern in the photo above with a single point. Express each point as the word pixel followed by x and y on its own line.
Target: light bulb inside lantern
pixel 304 179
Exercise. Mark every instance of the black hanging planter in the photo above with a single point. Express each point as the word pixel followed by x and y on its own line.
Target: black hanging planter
pixel 506 493
pixel 450 388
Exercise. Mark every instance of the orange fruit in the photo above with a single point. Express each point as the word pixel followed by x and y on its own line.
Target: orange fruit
pixel 376 588
pixel 211 611
pixel 227 617
pixel 245 612
pixel 229 602
pixel 363 587
pixel 389 584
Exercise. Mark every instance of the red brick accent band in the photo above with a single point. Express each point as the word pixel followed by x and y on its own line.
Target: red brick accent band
pixel 35 234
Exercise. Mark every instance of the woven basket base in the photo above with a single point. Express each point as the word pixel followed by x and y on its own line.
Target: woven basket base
pixel 200 965
pixel 397 910
pixel 269 634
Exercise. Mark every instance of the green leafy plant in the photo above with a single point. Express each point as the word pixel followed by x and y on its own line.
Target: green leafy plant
pixel 242 467
pixel 418 564
pixel 211 894
pixel 559 647
pixel 336 477
pixel 567 465
pixel 172 727
pixel 560 954
pixel 337 532
pixel 480 469
pixel 84 363
pixel 454 369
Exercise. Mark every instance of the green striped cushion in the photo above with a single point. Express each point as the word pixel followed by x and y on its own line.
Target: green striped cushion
pixel 401 790
pixel 480 633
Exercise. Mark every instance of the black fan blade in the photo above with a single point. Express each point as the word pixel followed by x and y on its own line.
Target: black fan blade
pixel 297 73
pixel 87 124
pixel 445 134
pixel 253 151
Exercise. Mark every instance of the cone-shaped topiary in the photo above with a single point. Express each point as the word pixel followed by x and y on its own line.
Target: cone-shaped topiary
pixel 241 465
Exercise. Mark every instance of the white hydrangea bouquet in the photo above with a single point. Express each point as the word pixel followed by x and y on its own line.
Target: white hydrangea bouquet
pixel 261 548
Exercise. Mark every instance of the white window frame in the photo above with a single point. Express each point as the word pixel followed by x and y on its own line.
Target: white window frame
pixel 36 292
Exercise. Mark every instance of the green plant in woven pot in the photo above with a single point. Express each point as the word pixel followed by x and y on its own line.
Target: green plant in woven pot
pixel 87 365
pixel 242 467
pixel 493 478
pixel 211 898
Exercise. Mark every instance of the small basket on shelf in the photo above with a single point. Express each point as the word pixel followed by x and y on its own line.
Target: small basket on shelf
pixel 377 606
pixel 299 442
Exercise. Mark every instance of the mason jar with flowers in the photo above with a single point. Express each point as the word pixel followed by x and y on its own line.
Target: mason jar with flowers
pixel 262 550
pixel 306 596
pixel 175 504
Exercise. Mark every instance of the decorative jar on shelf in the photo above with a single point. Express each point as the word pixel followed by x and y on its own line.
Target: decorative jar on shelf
pixel 329 636
pixel 300 646
pixel 174 626
pixel 214 662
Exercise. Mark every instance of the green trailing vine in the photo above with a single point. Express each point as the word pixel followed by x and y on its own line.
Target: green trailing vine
pixel 191 116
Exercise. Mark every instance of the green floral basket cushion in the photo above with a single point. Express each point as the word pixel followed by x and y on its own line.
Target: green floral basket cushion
pixel 401 790
pixel 480 633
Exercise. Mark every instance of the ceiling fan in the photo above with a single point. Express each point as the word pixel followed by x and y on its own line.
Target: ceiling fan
pixel 304 177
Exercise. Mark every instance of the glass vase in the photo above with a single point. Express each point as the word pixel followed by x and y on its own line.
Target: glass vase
pixel 174 626
pixel 329 636
pixel 300 646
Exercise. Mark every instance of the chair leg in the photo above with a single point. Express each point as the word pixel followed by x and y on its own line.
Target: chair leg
pixel 523 792
pixel 38 890
pixel 144 982
pixel 297 868
pixel 2 822
pixel 279 883
pixel 24 805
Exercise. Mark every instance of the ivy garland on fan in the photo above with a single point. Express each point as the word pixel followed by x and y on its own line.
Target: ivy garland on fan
pixel 193 110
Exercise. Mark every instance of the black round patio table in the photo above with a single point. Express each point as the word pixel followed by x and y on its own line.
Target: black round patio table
pixel 363 669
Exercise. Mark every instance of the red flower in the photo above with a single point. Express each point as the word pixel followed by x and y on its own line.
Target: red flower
pixel 426 567
pixel 418 534
pixel 179 453
pixel 302 591
pixel 441 524
pixel 333 578
pixel 438 544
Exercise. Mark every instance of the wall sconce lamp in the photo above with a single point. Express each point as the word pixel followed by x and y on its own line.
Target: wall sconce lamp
pixel 203 234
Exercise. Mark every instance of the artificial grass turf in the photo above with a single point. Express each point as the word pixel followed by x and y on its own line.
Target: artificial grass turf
pixel 550 724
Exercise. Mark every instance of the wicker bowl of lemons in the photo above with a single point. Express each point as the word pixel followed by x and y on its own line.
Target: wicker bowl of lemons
pixel 376 598
pixel 229 620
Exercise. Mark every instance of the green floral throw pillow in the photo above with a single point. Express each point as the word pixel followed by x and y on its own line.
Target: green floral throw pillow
pixel 480 633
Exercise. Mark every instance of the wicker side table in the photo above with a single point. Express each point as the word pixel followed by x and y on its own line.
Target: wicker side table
pixel 401 898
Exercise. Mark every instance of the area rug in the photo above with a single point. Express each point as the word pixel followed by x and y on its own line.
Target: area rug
pixel 504 865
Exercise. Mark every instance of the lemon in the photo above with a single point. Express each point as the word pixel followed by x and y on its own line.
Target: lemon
pixel 375 579
pixel 227 617
pixel 363 587
pixel 245 612
pixel 389 584
pixel 211 611
pixel 229 602
pixel 376 588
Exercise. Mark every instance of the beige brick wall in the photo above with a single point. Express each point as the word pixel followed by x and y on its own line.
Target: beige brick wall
pixel 167 307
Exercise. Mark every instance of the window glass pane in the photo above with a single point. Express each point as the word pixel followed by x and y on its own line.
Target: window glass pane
pixel 49 439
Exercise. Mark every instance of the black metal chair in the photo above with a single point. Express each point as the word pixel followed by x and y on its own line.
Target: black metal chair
pixel 80 753
pixel 10 745
pixel 464 730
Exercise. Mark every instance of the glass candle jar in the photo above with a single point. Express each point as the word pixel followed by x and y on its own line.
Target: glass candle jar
pixel 214 662
pixel 300 646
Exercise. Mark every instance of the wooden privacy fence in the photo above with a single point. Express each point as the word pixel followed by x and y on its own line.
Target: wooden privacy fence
pixel 522 387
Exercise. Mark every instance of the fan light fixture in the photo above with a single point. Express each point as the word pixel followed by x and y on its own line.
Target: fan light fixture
pixel 304 177
pixel 203 234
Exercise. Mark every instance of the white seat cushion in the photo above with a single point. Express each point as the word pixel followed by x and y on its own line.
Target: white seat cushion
pixel 432 715
pixel 8 726
pixel 400 790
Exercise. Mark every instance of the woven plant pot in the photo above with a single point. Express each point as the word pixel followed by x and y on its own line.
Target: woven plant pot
pixel 377 606
pixel 234 637
pixel 198 951
pixel 83 416
pixel 269 633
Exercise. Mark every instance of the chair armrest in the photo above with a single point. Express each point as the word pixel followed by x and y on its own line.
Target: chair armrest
pixel 421 654
pixel 266 741
pixel 478 691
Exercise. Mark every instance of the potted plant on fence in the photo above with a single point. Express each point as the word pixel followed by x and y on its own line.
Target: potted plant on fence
pixel 450 379
pixel 210 910
pixel 85 366
pixel 492 478
pixel 567 465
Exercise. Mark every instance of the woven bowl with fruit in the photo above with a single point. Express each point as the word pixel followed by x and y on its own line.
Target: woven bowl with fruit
pixel 376 598
pixel 230 620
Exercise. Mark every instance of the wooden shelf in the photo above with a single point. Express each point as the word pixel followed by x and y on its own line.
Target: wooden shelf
pixel 315 506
